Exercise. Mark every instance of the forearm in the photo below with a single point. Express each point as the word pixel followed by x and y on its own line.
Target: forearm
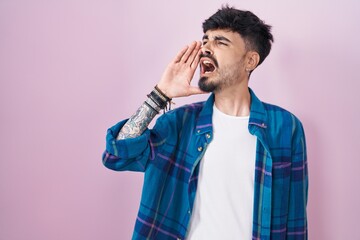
pixel 138 122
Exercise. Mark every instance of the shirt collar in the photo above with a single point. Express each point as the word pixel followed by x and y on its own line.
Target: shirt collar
pixel 204 121
pixel 258 116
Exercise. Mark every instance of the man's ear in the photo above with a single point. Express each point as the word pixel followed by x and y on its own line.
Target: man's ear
pixel 253 59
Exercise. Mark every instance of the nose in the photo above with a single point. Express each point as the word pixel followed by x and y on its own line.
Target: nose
pixel 206 50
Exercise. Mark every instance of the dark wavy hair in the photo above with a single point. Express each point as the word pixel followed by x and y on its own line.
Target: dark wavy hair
pixel 254 31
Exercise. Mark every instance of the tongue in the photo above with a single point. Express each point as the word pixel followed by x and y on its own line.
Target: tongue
pixel 209 67
pixel 212 68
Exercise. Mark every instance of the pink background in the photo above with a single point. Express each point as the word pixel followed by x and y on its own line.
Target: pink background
pixel 70 69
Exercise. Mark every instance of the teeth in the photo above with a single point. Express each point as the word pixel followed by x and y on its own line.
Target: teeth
pixel 207 62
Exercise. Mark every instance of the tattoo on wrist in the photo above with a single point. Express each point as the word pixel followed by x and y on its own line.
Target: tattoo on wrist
pixel 138 122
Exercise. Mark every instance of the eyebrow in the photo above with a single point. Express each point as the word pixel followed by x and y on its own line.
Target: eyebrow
pixel 218 37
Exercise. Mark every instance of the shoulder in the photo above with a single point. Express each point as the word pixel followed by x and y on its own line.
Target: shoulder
pixel 279 115
pixel 277 118
pixel 283 122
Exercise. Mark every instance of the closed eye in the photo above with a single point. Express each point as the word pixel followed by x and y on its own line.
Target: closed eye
pixel 220 40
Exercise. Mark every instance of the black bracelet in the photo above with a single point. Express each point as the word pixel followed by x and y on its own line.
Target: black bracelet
pixel 154 100
pixel 157 99
pixel 153 104
pixel 163 94
pixel 151 107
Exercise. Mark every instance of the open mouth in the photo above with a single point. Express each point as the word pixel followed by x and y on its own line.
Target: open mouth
pixel 207 66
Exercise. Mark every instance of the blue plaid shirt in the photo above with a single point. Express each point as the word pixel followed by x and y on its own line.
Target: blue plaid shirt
pixel 170 153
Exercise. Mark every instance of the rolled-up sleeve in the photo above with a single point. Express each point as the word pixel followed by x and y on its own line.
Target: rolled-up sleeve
pixel 127 154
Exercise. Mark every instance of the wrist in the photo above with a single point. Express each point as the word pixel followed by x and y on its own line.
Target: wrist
pixel 164 90
pixel 158 100
pixel 162 94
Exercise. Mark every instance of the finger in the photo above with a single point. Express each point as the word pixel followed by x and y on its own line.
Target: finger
pixel 180 54
pixel 194 53
pixel 195 90
pixel 196 60
pixel 188 52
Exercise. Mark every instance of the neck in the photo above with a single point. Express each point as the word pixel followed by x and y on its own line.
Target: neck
pixel 234 101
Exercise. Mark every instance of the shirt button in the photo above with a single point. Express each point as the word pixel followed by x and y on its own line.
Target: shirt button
pixel 208 135
pixel 199 149
pixel 189 212
pixel 198 131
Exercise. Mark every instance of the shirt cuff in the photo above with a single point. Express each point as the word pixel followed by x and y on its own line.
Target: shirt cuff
pixel 125 148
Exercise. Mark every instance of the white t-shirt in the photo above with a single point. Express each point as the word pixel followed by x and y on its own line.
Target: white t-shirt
pixel 223 207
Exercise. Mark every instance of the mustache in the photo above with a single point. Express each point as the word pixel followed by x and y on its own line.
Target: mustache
pixel 210 57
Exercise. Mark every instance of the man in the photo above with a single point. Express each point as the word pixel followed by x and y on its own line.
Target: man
pixel 232 167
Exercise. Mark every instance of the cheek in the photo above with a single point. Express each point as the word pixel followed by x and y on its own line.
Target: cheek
pixel 230 61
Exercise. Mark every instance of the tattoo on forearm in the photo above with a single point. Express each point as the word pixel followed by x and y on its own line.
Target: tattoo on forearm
pixel 138 122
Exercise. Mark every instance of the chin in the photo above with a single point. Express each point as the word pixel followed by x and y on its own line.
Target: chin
pixel 205 85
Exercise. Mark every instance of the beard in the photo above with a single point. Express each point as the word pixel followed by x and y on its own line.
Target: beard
pixel 225 78
pixel 206 85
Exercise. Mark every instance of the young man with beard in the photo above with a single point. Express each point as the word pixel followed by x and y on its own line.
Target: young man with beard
pixel 232 167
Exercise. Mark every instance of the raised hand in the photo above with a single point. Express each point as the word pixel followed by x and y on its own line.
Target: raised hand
pixel 176 79
pixel 175 82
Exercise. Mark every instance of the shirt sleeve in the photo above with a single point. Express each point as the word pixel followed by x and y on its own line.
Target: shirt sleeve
pixel 297 227
pixel 126 154
pixel 133 154
pixel 129 154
